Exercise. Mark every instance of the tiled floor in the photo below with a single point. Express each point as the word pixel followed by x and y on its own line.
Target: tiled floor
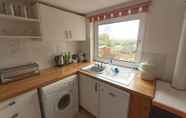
pixel 83 114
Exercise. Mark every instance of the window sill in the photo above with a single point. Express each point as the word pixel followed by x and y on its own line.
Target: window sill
pixel 133 65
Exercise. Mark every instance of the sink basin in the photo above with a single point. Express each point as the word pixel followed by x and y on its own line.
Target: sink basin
pixel 94 69
pixel 124 76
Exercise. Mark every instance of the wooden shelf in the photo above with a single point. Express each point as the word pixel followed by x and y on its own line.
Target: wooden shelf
pixel 19 37
pixel 18 18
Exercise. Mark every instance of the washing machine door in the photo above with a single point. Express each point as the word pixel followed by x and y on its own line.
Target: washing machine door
pixel 64 102
pixel 64 105
pixel 59 104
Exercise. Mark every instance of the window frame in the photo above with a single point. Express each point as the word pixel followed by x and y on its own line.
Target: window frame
pixel 141 17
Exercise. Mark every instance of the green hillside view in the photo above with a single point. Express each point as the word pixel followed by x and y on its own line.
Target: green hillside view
pixel 120 49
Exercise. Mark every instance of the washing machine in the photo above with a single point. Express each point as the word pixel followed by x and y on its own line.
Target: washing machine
pixel 60 99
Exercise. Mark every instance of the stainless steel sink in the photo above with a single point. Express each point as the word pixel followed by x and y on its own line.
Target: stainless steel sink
pixel 94 68
pixel 123 76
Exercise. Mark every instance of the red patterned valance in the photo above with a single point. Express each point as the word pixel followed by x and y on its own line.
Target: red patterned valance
pixel 130 10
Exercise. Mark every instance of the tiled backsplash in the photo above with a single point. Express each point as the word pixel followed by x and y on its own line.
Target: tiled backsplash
pixel 15 52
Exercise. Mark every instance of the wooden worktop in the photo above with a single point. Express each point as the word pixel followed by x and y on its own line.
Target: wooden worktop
pixel 54 74
pixel 46 77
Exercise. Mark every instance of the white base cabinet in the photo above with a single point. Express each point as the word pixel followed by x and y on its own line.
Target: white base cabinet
pixel 89 94
pixel 113 103
pixel 23 106
pixel 103 100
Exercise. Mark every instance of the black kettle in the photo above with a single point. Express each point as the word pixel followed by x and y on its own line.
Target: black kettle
pixel 59 60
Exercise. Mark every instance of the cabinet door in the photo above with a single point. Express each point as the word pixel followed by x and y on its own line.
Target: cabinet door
pixel 75 27
pixel 89 94
pixel 78 28
pixel 114 103
pixel 23 106
pixel 28 105
pixel 8 108
pixel 52 23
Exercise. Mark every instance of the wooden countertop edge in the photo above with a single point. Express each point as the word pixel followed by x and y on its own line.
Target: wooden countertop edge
pixel 169 109
pixel 36 86
pixel 46 77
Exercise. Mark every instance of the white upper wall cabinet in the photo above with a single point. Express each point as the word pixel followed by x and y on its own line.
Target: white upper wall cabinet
pixel 61 25
pixel 75 27
pixel 52 23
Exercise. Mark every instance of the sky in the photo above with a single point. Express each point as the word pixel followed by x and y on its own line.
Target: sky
pixel 121 30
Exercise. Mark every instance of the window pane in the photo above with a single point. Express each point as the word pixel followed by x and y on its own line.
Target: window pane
pixel 118 40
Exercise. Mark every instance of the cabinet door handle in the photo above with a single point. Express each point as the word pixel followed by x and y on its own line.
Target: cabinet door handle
pixel 15 115
pixel 112 94
pixel 70 33
pixel 96 87
pixel 7 105
pixel 66 34
pixel 11 103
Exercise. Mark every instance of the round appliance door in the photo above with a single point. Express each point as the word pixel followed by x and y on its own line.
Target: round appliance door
pixel 64 105
pixel 64 102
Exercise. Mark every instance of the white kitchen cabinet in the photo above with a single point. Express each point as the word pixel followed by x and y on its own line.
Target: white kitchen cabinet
pixel 52 23
pixel 23 106
pixel 103 100
pixel 59 25
pixel 113 103
pixel 89 94
pixel 75 27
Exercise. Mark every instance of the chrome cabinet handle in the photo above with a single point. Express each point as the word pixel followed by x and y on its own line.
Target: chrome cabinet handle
pixel 11 103
pixel 15 115
pixel 7 106
pixel 70 34
pixel 112 94
pixel 96 87
pixel 66 34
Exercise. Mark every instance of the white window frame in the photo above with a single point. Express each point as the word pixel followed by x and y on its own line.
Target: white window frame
pixel 141 17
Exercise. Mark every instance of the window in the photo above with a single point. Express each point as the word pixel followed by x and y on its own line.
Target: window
pixel 118 40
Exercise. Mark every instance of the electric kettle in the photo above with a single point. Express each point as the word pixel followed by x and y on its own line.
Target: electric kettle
pixel 59 60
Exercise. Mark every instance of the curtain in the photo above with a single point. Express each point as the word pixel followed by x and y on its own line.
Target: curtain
pixel 119 12
pixel 179 78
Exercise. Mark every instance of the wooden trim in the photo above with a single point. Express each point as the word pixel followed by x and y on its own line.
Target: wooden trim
pixel 60 8
pixel 169 109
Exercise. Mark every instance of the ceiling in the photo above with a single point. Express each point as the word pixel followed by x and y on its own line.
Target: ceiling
pixel 85 6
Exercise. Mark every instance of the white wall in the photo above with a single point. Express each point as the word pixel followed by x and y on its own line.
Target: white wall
pixel 163 28
pixel 162 34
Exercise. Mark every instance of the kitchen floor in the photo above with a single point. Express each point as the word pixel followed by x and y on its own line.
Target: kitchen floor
pixel 83 114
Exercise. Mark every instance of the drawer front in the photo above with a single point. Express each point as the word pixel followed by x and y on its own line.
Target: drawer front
pixel 9 109
pixel 23 106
